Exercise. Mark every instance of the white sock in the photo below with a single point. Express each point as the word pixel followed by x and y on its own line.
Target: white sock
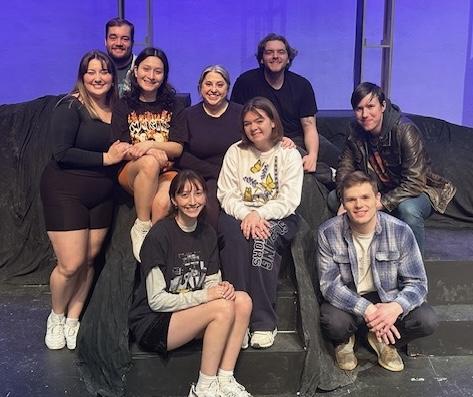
pixel 224 376
pixel 205 381
pixel 72 322
pixel 143 225
pixel 57 317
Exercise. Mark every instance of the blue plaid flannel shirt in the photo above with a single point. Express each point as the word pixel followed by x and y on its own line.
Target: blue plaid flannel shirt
pixel 396 263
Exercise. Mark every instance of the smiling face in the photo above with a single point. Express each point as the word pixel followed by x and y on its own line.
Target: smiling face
pixel 369 114
pixel 214 89
pixel 97 79
pixel 119 43
pixel 275 56
pixel 360 202
pixel 259 129
pixel 189 202
pixel 149 76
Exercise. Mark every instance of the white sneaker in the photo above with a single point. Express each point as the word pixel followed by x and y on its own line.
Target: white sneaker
pixel 246 340
pixel 263 339
pixel 231 388
pixel 345 355
pixel 212 391
pixel 138 233
pixel 55 338
pixel 70 332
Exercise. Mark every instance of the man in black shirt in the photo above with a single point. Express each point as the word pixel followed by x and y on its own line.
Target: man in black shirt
pixel 291 94
pixel 119 38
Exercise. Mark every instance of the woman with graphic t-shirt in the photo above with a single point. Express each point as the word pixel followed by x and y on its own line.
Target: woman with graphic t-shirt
pixel 180 295
pixel 146 117
pixel 259 189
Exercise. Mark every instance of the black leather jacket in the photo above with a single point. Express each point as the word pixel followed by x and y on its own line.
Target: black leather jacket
pixel 401 147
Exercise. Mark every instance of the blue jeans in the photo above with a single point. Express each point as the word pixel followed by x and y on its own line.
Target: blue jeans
pixel 414 211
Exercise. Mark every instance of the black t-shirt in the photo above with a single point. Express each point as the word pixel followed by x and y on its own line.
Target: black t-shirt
pixel 80 140
pixel 184 258
pixel 208 138
pixel 293 101
pixel 136 121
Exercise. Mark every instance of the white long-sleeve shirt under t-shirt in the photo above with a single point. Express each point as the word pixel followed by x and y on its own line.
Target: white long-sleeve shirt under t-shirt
pixel 269 182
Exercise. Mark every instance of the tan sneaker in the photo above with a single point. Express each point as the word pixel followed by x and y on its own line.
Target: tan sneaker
pixel 388 357
pixel 345 355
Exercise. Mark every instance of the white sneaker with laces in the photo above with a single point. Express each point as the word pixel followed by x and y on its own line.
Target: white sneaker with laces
pixel 55 338
pixel 212 391
pixel 263 339
pixel 231 388
pixel 138 233
pixel 70 332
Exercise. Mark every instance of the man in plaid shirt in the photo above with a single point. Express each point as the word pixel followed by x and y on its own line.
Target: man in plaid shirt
pixel 371 274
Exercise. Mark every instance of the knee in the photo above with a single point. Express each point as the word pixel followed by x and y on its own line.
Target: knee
pixel 224 310
pixel 336 326
pixel 409 213
pixel 70 269
pixel 243 305
pixel 426 320
pixel 149 166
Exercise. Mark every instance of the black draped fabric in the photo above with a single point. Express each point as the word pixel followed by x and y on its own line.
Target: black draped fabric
pixel 25 252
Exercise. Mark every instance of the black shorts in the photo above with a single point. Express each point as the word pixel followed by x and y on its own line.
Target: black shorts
pixel 155 338
pixel 74 201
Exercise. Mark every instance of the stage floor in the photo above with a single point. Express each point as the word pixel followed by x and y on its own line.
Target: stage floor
pixel 29 369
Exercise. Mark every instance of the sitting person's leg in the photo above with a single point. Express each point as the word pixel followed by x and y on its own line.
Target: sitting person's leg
pixel 420 322
pixel 333 202
pixel 340 327
pixel 161 202
pixel 234 252
pixel 140 179
pixel 414 212
pixel 264 272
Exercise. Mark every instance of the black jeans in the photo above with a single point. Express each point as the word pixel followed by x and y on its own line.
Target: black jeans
pixel 338 325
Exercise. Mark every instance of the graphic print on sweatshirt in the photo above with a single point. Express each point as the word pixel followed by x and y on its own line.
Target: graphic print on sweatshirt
pixel 189 274
pixel 149 126
pixel 261 184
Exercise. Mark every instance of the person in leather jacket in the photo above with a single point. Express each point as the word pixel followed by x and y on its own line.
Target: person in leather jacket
pixel 387 145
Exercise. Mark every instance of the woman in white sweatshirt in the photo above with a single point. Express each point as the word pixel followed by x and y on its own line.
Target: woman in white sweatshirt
pixel 181 296
pixel 259 189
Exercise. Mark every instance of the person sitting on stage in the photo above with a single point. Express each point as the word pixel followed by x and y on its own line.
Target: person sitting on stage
pixel 76 191
pixel 259 189
pixel 181 296
pixel 371 273
pixel 146 117
pixel 389 146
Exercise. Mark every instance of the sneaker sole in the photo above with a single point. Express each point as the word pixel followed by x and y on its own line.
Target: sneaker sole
pixel 55 347
pixel 381 362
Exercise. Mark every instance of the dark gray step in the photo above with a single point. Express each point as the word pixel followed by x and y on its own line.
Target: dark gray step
pixel 268 372
pixel 454 337
pixel 286 305
pixel 450 282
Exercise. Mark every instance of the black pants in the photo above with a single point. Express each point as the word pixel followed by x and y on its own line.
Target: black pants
pixel 338 325
pixel 253 265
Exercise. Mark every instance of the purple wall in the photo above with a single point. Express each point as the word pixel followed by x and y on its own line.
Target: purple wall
pixel 42 42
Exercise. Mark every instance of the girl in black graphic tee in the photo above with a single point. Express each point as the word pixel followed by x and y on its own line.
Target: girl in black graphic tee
pixel 181 295
pixel 147 117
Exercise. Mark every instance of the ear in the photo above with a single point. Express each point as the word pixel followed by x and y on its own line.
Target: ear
pixel 135 69
pixel 272 124
pixel 378 200
pixel 383 106
pixel 173 202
